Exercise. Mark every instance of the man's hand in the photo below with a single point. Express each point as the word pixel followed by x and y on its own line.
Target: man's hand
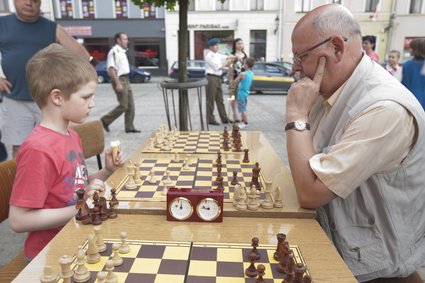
pixel 5 85
pixel 118 86
pixel 303 94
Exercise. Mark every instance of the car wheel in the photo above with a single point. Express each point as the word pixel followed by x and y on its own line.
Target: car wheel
pixel 100 79
pixel 137 79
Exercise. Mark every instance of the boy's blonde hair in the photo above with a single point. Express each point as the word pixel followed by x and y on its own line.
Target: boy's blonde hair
pixel 57 67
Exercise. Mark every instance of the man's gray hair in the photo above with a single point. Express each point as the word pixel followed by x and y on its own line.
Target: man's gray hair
pixel 336 21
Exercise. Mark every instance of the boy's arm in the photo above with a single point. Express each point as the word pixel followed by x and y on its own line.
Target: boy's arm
pixel 24 219
pixel 240 77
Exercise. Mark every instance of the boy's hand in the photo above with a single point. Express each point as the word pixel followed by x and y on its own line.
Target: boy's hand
pixel 5 85
pixel 110 164
pixel 95 186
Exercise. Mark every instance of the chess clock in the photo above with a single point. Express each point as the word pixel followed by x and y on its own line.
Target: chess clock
pixel 194 205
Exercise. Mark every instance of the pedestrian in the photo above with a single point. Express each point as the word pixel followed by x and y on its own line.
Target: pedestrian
pixel 393 65
pixel 414 70
pixel 119 70
pixel 50 164
pixel 368 44
pixel 244 80
pixel 214 64
pixel 355 141
pixel 235 68
pixel 22 34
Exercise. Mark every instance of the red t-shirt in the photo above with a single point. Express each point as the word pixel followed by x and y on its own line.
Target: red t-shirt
pixel 50 169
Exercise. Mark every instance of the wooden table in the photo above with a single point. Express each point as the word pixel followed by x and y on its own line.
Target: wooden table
pixel 259 149
pixel 322 259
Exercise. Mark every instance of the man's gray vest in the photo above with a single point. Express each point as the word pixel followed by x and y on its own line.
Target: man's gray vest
pixel 379 228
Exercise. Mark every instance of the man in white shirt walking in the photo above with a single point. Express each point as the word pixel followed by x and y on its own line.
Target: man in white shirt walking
pixel 119 70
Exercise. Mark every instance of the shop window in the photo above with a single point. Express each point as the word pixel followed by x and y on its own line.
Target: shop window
pixel 302 6
pixel 258 44
pixel 371 5
pixel 121 9
pixel 146 53
pixel 415 6
pixel 97 47
pixel 257 5
pixel 222 6
pixel 149 10
pixel 88 9
pixel 191 5
pixel 202 37
pixel 66 8
pixel 4 6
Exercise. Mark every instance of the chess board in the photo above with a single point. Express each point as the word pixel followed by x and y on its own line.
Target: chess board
pixel 191 262
pixel 196 142
pixel 201 174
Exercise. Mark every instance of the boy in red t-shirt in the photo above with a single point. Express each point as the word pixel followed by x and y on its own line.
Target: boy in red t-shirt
pixel 50 162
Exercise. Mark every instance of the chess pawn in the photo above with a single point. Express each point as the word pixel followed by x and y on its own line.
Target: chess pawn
pixel 101 277
pixel 299 272
pixel 242 200
pixel 268 197
pixel 278 203
pixel 48 275
pixel 95 215
pixel 261 272
pixel 186 164
pixel 167 180
pixel 251 271
pixel 109 267
pixel 254 244
pixel 125 248
pixel 66 271
pixel 117 259
pixel 235 178
pixel 81 274
pixel 101 246
pixel 151 177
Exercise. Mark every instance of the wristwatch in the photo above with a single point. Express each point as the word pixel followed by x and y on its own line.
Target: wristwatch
pixel 297 125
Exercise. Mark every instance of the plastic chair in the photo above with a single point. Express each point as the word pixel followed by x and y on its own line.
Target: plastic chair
pixel 92 139
pixel 7 176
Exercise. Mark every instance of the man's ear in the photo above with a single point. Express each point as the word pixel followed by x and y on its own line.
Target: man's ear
pixel 55 96
pixel 338 44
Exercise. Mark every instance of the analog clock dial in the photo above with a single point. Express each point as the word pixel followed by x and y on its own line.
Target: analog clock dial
pixel 208 209
pixel 180 208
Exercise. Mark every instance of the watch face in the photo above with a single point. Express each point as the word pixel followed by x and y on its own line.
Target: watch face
pixel 299 125
pixel 208 209
pixel 180 208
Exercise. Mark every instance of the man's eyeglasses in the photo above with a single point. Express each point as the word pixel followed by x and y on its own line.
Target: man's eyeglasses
pixel 298 58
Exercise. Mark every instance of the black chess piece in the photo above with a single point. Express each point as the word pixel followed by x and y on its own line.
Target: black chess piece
pixel 245 156
pixel 235 178
pixel 113 203
pixel 254 244
pixel 261 272
pixel 280 239
pixel 251 271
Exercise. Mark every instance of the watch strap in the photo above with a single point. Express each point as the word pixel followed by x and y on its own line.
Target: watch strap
pixel 291 125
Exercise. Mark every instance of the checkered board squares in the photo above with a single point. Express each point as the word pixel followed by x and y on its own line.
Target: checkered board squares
pixel 225 263
pixel 202 174
pixel 147 262
pixel 165 262
pixel 207 173
pixel 196 142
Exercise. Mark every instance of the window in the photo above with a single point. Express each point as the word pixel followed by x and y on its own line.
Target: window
pixel 121 9
pixel 302 6
pixel 67 11
pixel 257 5
pixel 148 10
pixel 146 53
pixel 88 9
pixel 97 47
pixel 371 5
pixel 257 46
pixel 4 6
pixel 191 5
pixel 222 6
pixel 415 6
pixel 337 2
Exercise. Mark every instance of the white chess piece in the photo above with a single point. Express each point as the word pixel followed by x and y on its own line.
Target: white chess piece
pixel 151 177
pixel 268 197
pixel 167 180
pixel 236 194
pixel 186 164
pixel 242 199
pixel 277 197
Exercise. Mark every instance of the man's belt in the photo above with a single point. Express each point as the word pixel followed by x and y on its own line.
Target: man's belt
pixel 212 75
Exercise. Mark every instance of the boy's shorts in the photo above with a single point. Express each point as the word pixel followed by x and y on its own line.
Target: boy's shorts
pixel 19 118
pixel 242 104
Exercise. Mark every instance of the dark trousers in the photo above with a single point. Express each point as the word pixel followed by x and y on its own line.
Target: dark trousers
pixel 126 105
pixel 215 94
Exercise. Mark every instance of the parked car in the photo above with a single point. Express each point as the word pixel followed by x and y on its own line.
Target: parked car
pixel 195 69
pixel 137 75
pixel 271 77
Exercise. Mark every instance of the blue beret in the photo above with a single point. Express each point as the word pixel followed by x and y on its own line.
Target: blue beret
pixel 213 41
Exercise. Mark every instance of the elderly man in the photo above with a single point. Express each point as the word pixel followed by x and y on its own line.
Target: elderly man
pixel 21 35
pixel 355 139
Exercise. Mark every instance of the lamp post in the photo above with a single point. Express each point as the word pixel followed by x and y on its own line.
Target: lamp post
pixel 276 24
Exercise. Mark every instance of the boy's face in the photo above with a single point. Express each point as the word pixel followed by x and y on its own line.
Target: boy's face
pixel 79 104
pixel 393 59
